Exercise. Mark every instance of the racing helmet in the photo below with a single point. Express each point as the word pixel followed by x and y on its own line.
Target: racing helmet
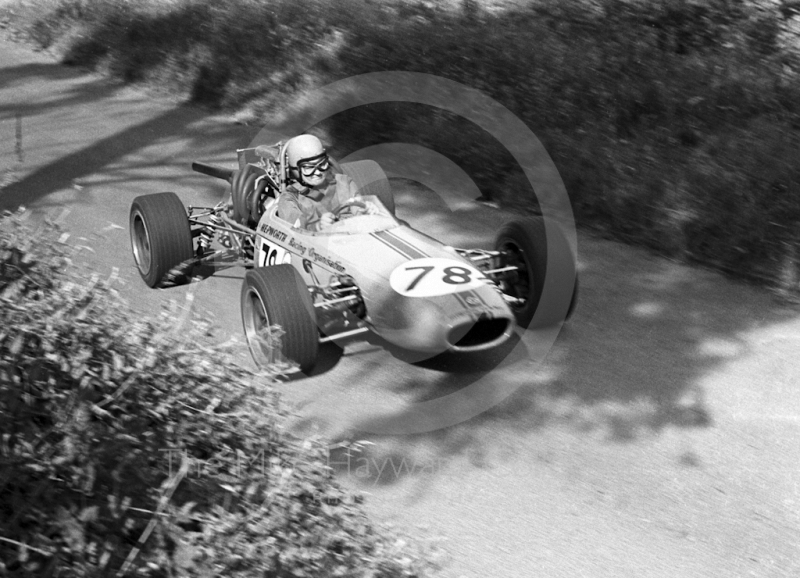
pixel 307 160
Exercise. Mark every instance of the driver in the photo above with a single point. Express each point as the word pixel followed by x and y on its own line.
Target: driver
pixel 314 190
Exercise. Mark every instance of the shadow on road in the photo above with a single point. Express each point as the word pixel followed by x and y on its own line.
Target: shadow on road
pixel 629 365
pixel 79 105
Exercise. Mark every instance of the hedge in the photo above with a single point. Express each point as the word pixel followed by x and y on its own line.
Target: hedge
pixel 132 445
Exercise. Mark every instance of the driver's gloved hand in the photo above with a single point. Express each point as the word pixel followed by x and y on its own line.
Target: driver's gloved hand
pixel 325 221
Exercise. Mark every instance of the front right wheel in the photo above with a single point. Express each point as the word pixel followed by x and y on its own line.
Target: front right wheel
pixel 278 296
pixel 523 245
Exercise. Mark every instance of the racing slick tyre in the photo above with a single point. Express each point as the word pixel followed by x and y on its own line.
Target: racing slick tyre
pixel 161 237
pixel 277 295
pixel 371 180
pixel 524 244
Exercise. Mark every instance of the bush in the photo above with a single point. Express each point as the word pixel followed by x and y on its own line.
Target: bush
pixel 134 445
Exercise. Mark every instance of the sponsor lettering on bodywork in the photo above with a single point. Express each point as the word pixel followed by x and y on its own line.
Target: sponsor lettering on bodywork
pixel 297 246
pixel 273 232
pixel 325 260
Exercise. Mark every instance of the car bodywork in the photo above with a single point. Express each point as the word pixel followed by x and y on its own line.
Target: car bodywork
pixel 417 293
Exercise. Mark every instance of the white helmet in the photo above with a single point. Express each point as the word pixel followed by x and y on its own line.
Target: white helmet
pixel 307 160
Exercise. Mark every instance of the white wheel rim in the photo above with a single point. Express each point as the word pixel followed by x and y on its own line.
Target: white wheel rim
pixel 141 244
pixel 255 320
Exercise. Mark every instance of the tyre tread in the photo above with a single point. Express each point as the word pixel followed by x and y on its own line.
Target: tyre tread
pixel 289 305
pixel 169 231
pixel 531 236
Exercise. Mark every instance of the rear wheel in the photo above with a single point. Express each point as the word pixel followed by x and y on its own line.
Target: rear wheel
pixel 278 296
pixel 524 245
pixel 161 237
pixel 371 180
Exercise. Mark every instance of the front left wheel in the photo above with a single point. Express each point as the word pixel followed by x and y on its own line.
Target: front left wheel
pixel 161 237
pixel 278 296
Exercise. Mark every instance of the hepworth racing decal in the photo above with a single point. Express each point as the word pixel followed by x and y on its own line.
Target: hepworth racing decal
pixel 271 254
pixel 297 246
pixel 434 276
pixel 326 260
pixel 402 246
pixel 273 232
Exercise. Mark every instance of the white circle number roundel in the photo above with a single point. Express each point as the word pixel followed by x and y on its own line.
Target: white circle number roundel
pixel 434 276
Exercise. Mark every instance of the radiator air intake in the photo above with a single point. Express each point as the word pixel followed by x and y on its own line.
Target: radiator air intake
pixel 479 334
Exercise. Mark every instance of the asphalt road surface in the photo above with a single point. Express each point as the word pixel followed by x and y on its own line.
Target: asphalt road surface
pixel 659 437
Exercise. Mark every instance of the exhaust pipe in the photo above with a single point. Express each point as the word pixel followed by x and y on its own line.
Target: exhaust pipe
pixel 213 171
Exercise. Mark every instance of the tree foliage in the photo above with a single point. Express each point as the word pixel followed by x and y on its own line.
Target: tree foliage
pixel 655 113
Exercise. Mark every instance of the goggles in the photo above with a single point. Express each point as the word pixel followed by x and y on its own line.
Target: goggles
pixel 308 168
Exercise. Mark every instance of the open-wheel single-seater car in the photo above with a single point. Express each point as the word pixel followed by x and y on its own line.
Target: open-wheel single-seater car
pixel 365 273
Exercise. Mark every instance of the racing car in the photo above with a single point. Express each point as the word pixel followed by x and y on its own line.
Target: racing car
pixel 367 272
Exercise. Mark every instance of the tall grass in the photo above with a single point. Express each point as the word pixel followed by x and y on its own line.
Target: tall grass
pixel 674 124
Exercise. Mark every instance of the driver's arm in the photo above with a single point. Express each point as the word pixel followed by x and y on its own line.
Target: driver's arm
pixel 290 209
